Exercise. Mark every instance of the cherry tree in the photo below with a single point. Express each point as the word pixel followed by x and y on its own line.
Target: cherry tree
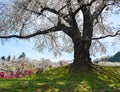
pixel 60 25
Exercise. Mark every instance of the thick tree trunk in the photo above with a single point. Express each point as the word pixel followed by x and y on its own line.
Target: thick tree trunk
pixel 82 60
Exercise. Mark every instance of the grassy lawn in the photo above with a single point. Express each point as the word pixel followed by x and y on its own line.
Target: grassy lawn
pixel 99 79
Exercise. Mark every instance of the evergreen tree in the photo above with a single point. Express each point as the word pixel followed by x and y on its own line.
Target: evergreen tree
pixel 3 58
pixel 8 58
pixel 23 55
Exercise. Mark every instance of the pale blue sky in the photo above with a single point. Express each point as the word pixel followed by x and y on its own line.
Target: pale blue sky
pixel 15 48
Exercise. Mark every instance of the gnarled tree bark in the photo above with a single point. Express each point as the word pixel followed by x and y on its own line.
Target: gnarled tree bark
pixel 82 43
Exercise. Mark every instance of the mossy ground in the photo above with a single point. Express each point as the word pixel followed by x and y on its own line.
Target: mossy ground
pixel 99 79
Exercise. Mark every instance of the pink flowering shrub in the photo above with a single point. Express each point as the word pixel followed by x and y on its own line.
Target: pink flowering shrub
pixel 12 76
pixel 28 72
pixel 16 74
pixel 2 74
pixel 7 76
pixel 19 76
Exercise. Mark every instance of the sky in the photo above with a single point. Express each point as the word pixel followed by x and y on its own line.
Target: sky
pixel 16 47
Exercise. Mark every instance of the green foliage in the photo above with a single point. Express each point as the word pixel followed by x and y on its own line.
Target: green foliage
pixel 99 79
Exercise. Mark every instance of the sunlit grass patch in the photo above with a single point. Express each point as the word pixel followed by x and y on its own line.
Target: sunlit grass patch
pixel 104 79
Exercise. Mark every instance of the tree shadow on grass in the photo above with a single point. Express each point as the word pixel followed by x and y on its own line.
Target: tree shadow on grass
pixel 100 79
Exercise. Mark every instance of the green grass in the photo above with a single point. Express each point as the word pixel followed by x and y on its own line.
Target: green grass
pixel 99 79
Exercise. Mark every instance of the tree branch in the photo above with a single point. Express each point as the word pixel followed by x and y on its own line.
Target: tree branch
pixel 99 10
pixel 42 10
pixel 71 19
pixel 102 6
pixel 39 32
pixel 89 4
pixel 117 33
pixel 47 9
pixel 62 8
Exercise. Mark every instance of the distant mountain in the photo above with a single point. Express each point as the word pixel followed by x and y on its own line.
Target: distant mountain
pixel 115 58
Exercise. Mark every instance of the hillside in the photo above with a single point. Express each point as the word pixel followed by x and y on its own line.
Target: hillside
pixel 111 59
pixel 115 58
pixel 99 79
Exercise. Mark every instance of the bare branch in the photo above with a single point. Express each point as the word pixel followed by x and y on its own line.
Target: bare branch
pixel 39 32
pixel 62 8
pixel 46 9
pixel 22 29
pixel 49 19
pixel 69 7
pixel 83 5
pixel 71 19
pixel 117 33
pixel 42 10
pixel 100 8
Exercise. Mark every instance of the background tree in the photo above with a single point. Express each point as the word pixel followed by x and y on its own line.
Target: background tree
pixel 13 58
pixel 3 58
pixel 60 25
pixel 8 58
pixel 23 55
